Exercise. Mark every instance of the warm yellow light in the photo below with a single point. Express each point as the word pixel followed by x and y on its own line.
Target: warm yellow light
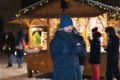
pixel 33 29
pixel 42 19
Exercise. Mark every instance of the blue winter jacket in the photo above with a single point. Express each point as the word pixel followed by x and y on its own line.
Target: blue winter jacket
pixel 65 61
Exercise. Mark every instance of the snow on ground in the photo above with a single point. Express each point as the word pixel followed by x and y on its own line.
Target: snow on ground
pixel 14 73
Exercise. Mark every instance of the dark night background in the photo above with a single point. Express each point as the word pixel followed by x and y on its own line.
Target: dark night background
pixel 26 3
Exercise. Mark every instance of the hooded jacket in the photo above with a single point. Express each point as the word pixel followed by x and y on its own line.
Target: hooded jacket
pixel 113 44
pixel 95 49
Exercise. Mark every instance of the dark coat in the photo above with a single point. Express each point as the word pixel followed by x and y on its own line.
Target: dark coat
pixel 20 52
pixel 2 40
pixel 81 59
pixel 95 49
pixel 10 42
pixel 112 69
pixel 65 61
pixel 113 44
pixel 113 47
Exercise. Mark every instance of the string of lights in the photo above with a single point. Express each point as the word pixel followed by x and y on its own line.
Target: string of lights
pixel 31 7
pixel 104 7
pixel 114 11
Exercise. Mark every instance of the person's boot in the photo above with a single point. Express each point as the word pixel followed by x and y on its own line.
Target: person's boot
pixel 20 66
pixel 9 66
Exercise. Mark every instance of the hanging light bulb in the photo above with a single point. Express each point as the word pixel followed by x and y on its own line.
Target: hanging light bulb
pixel 33 7
pixel 26 10
pixel 40 4
pixel 17 15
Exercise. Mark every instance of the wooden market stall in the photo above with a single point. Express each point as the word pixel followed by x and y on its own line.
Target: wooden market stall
pixel 43 21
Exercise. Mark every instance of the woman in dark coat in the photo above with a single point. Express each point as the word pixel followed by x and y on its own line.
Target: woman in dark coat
pixel 2 39
pixel 10 48
pixel 94 58
pixel 112 49
pixel 65 60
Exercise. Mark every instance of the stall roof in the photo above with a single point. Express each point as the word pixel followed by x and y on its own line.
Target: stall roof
pixel 53 9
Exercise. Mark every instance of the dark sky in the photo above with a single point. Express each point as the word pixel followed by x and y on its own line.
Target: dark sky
pixel 26 3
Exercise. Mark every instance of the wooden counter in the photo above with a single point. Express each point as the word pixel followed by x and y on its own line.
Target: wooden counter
pixel 38 62
pixel 42 62
pixel 87 66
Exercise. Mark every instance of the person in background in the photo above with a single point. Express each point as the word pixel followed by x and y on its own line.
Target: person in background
pixel 81 58
pixel 20 44
pixel 112 49
pixel 95 56
pixel 2 39
pixel 64 52
pixel 9 48
pixel 81 63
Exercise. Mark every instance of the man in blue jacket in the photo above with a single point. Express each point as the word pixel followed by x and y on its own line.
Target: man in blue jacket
pixel 63 52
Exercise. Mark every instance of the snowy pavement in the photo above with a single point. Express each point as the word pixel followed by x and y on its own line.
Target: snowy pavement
pixel 14 73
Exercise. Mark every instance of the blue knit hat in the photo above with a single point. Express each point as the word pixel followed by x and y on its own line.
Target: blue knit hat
pixel 65 21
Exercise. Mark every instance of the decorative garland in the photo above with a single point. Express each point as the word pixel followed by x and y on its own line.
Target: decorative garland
pixel 101 5
pixel 104 7
pixel 31 7
pixel 113 11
